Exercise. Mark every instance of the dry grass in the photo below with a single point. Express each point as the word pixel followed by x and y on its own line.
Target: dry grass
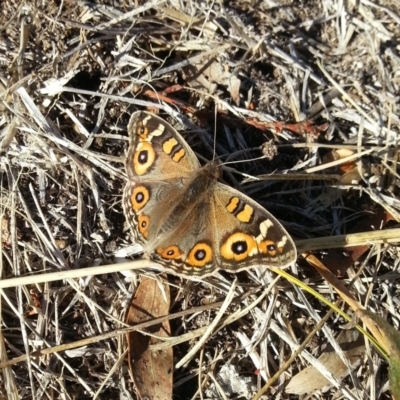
pixel 72 72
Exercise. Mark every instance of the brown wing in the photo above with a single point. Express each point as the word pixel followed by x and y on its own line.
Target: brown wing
pixel 225 230
pixel 159 165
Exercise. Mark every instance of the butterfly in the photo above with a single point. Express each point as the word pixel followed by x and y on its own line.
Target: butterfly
pixel 188 222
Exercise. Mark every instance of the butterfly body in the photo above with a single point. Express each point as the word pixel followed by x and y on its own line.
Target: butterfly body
pixel 185 219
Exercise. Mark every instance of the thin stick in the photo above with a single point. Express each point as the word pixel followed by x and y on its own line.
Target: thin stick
pixel 74 273
pixel 351 240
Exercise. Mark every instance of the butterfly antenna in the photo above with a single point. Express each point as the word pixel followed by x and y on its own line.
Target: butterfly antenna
pixel 215 133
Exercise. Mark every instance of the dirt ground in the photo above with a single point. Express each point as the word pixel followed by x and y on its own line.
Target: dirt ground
pixel 298 100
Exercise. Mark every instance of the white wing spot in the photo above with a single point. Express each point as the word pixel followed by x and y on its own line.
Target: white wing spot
pixel 146 119
pixel 157 132
pixel 264 226
pixel 253 252
pixel 282 242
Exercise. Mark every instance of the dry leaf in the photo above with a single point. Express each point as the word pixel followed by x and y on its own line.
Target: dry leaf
pixel 310 379
pixel 5 234
pixel 152 370
pixel 209 74
pixel 348 170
